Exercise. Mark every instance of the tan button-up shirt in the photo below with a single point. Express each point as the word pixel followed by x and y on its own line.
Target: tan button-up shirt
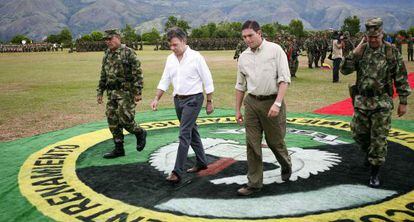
pixel 259 72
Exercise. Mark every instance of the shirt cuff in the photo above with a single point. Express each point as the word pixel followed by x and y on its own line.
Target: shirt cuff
pixel 162 87
pixel 209 89
pixel 283 79
pixel 240 88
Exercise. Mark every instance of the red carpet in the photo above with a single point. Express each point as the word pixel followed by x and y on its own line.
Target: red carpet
pixel 344 107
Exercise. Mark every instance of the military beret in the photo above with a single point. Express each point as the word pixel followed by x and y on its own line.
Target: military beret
pixel 373 26
pixel 110 33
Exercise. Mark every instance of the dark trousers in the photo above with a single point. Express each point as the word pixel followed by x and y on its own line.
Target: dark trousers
pixel 187 112
pixel 410 55
pixel 274 129
pixel 336 64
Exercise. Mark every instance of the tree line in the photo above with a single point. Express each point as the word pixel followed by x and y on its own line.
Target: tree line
pixel 351 24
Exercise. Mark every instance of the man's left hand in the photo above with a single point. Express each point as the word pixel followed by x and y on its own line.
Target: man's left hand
pixel 137 98
pixel 274 111
pixel 209 108
pixel 402 109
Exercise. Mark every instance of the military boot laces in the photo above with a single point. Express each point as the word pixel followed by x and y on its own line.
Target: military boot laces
pixel 117 152
pixel 141 140
pixel 374 180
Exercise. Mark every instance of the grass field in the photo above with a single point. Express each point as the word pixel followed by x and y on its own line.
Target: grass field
pixel 42 92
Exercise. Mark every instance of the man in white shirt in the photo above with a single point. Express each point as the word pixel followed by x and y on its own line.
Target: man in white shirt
pixel 263 72
pixel 187 71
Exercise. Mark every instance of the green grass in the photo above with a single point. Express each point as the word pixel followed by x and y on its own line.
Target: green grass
pixel 41 92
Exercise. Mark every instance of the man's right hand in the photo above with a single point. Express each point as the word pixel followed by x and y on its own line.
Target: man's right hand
pixel 154 105
pixel 239 118
pixel 99 99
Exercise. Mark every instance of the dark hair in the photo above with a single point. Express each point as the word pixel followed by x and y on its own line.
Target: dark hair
pixel 176 32
pixel 251 24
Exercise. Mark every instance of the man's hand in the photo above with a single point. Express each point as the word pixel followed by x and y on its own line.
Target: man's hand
pixel 402 109
pixel 99 99
pixel 137 98
pixel 154 105
pixel 209 108
pixel 239 118
pixel 358 50
pixel 273 111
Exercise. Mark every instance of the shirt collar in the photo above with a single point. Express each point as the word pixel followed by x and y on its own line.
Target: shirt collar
pixel 260 48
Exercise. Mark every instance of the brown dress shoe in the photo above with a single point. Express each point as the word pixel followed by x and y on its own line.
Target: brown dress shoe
pixel 173 177
pixel 196 169
pixel 246 191
pixel 286 173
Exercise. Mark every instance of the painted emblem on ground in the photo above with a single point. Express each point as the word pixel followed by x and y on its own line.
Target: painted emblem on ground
pixel 328 181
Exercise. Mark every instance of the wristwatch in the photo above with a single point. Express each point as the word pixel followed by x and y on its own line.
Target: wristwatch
pixel 278 104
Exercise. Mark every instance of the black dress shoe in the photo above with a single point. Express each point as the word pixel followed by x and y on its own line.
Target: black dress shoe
pixel 286 173
pixel 141 140
pixel 173 177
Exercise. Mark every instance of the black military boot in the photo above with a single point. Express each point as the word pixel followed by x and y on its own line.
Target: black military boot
pixel 374 181
pixel 117 152
pixel 141 140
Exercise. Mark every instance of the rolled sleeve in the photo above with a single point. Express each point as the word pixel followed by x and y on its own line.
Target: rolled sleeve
pixel 241 83
pixel 282 67
pixel 205 75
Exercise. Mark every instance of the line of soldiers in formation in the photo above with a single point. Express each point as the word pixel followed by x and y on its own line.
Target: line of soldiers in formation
pixel 95 46
pixel 205 44
pixel 317 47
pixel 31 47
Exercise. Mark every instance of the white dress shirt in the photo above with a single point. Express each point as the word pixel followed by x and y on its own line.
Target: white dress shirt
pixel 187 76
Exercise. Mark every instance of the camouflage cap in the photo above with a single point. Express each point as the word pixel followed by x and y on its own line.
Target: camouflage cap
pixel 373 26
pixel 110 33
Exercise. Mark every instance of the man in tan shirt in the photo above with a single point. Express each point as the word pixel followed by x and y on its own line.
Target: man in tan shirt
pixel 263 72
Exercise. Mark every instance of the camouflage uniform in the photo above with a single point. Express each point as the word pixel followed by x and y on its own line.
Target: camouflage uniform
pixel 241 46
pixel 122 79
pixel 317 49
pixel 398 43
pixel 324 48
pixel 292 55
pixel 309 46
pixel 376 72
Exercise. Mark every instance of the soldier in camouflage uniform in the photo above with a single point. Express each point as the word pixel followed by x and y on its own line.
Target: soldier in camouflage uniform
pixel 324 47
pixel 317 42
pixel 309 46
pixel 398 43
pixel 349 45
pixel 410 48
pixel 241 46
pixel 378 65
pixel 292 54
pixel 122 79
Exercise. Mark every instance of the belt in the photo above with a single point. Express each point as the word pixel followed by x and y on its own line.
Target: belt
pixel 267 97
pixel 184 96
